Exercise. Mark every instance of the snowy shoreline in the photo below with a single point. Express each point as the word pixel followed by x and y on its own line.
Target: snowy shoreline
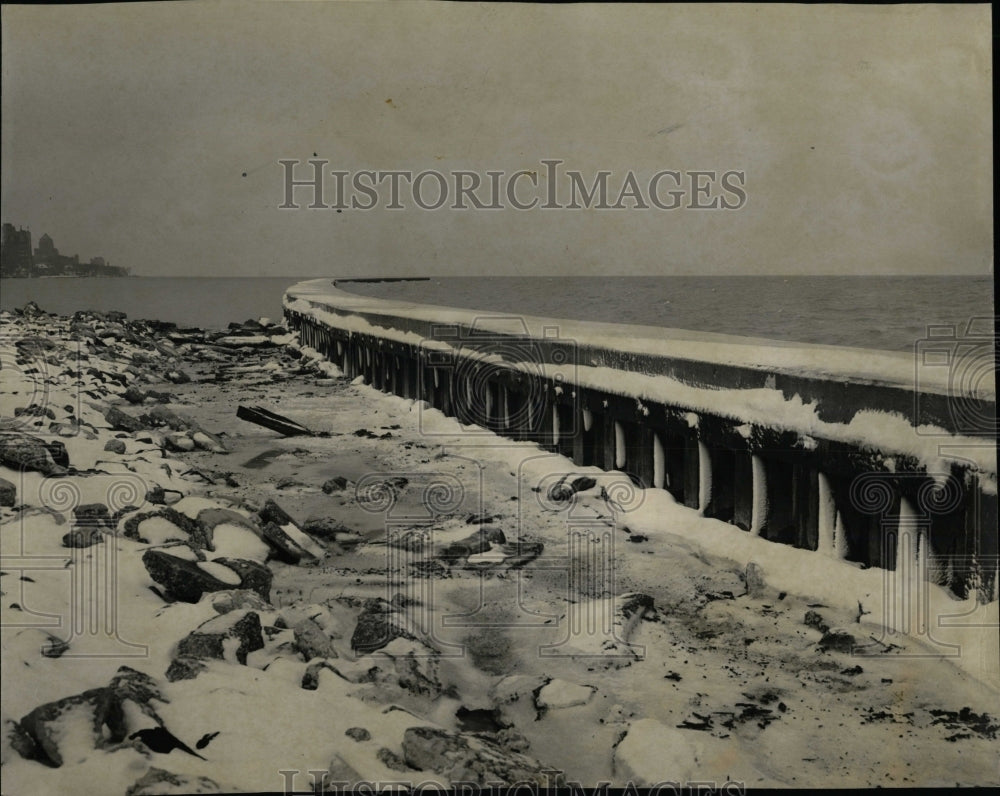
pixel 219 611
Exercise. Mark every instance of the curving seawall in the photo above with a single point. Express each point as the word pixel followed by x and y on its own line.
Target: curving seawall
pixel 844 451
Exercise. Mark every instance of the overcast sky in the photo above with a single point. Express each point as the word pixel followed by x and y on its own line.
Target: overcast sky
pixel 864 134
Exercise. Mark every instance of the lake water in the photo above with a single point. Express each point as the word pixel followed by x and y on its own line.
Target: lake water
pixel 889 313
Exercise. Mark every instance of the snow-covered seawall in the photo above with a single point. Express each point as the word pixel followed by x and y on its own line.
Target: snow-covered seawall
pixel 867 456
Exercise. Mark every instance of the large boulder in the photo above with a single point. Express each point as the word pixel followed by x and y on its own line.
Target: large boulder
pixel 253 575
pixel 563 694
pixel 186 581
pixel 24 452
pixel 461 757
pixel 194 532
pixel 209 642
pixel 97 717
pixel 652 752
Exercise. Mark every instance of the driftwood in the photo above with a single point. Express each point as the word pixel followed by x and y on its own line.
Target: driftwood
pixel 272 421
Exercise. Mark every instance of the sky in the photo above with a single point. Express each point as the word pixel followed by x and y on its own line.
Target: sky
pixel 151 134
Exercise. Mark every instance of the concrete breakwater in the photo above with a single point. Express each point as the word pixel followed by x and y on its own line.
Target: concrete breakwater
pixel 858 454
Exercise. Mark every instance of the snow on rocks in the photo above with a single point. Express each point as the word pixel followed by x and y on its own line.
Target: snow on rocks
pixel 563 694
pixel 378 623
pixel 96 718
pixel 159 781
pixel 463 757
pixel 186 580
pixel 20 451
pixel 230 636
pixel 651 753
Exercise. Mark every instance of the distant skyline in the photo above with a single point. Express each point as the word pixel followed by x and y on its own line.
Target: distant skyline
pixel 151 134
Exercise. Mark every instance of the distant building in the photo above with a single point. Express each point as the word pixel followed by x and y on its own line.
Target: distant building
pixel 15 252
pixel 46 252
pixel 47 261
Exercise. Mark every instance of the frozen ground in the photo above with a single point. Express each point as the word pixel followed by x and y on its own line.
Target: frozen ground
pixel 612 636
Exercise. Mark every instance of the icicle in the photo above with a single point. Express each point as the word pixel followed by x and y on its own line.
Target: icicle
pixel 659 464
pixel 619 445
pixel 758 511
pixel 704 476
pixel 827 517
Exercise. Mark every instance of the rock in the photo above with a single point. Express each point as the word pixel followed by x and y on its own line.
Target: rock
pixel 114 446
pixel 253 575
pixel 208 442
pixel 358 734
pixel 520 553
pixel 208 641
pixel 98 713
pixel 461 757
pixel 186 581
pixel 34 410
pixel 838 640
pixel 335 484
pixel 652 753
pixel 561 490
pixel 8 493
pixel 212 517
pixel 159 416
pixel 391 760
pixel 134 395
pixel 513 739
pixel 410 665
pixel 563 694
pixel 325 528
pixel 41 730
pixel 58 452
pixel 83 537
pixel 378 624
pixel 121 421
pixel 816 621
pixel 198 536
pixel 285 548
pixel 339 776
pixel 158 781
pixel 185 668
pixel 25 452
pixel 32 310
pixel 177 376
pixel 272 512
pixel 178 442
pixel 515 686
pixel 93 515
pixel 756 584
pixel 312 641
pixel 235 599
pixel 310 680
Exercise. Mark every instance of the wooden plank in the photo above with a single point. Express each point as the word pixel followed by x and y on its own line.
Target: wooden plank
pixel 272 421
